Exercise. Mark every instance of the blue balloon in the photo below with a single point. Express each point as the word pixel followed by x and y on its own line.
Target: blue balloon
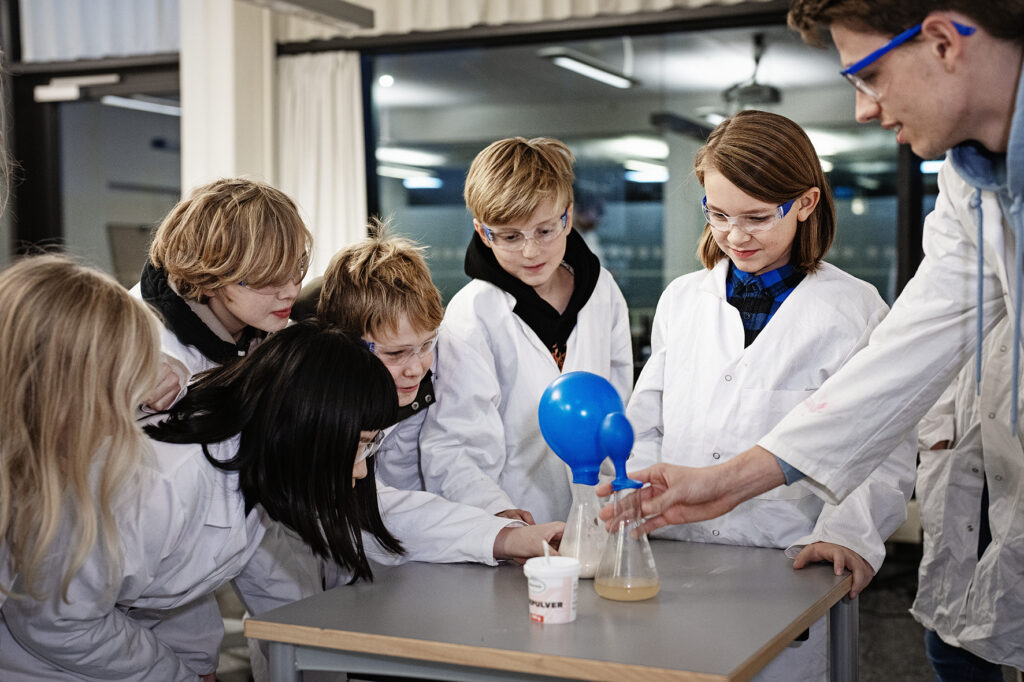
pixel 571 413
pixel 616 439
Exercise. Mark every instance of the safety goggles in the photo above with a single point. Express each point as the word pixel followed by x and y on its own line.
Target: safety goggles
pixel 850 72
pixel 272 289
pixel 749 223
pixel 369 449
pixel 400 356
pixel 515 240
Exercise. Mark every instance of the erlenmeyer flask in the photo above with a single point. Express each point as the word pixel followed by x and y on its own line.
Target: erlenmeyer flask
pixel 627 571
pixel 584 535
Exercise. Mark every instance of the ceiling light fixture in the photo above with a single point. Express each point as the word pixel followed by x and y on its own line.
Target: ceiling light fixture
pixel 141 105
pixel 587 66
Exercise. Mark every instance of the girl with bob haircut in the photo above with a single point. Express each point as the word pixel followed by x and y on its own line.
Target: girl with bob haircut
pixel 276 443
pixel 735 346
pixel 223 271
pixel 77 353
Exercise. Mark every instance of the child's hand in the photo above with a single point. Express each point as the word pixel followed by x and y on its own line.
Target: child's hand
pixel 841 557
pixel 523 542
pixel 518 514
pixel 171 377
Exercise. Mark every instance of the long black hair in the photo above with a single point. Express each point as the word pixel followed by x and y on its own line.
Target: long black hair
pixel 298 402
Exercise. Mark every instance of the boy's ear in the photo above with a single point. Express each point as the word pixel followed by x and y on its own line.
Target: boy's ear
pixel 807 202
pixel 480 231
pixel 944 40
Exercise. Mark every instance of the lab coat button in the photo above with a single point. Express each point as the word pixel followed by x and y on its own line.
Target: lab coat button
pixel 970 528
pixel 716 455
pixel 974 469
pixel 998 477
pixel 991 415
pixel 714 532
pixel 1002 349
pixel 728 377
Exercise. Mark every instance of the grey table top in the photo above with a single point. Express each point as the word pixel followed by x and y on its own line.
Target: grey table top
pixel 722 612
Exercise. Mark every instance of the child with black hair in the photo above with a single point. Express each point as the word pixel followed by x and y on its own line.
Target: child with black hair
pixel 284 434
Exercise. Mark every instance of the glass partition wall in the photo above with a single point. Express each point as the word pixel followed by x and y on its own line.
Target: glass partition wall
pixel 638 202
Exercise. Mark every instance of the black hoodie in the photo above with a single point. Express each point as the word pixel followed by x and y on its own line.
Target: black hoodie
pixel 552 328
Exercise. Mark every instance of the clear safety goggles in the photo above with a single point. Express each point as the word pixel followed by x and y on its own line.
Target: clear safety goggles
pixel 400 356
pixel 370 448
pixel 515 240
pixel 749 223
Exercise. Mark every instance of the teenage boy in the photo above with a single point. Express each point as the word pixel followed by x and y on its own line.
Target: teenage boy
pixel 540 304
pixel 945 75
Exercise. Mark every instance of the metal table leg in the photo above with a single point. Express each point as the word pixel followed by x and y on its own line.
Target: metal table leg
pixel 843 649
pixel 281 663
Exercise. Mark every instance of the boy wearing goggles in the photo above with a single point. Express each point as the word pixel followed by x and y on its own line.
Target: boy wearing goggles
pixel 539 304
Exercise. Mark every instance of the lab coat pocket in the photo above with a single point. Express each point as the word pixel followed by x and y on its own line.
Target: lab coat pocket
pixel 762 409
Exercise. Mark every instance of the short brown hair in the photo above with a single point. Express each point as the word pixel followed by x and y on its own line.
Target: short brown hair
pixel 369 285
pixel 1003 20
pixel 228 231
pixel 510 178
pixel 770 158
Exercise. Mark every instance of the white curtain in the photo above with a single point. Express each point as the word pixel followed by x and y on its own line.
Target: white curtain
pixel 320 147
pixel 58 30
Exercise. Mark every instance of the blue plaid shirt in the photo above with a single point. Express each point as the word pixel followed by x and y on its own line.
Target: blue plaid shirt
pixel 758 297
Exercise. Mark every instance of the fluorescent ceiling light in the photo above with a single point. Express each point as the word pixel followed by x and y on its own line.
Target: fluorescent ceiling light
pixel 645 167
pixel 931 166
pixel 402 173
pixel 827 166
pixel 408 157
pixel 422 183
pixel 141 105
pixel 641 176
pixel 386 80
pixel 587 66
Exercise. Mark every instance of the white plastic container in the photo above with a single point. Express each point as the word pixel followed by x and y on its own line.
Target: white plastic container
pixel 553 583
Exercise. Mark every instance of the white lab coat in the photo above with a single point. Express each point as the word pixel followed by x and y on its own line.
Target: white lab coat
pixel 858 417
pixel 185 534
pixel 397 463
pixel 491 372
pixel 702 397
pixel 974 604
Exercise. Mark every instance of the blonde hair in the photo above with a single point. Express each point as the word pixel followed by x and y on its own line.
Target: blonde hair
pixel 771 159
pixel 77 355
pixel 369 285
pixel 229 231
pixel 509 179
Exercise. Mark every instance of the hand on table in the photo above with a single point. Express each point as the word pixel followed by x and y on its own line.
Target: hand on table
pixel 678 494
pixel 518 514
pixel 520 543
pixel 841 558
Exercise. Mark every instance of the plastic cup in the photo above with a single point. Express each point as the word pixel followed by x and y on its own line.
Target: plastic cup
pixel 553 583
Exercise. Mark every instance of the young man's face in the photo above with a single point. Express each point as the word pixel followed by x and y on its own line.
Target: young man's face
pixel 407 353
pixel 919 98
pixel 531 261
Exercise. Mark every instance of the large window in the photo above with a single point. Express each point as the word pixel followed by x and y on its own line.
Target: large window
pixel 634 146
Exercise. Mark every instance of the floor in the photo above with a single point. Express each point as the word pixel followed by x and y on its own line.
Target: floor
pixel 891 642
